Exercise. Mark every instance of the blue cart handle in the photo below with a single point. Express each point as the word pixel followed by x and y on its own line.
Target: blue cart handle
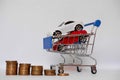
pixel 96 23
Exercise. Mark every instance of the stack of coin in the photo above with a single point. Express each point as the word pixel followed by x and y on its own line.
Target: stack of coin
pixel 11 67
pixel 49 72
pixel 37 70
pixel 24 69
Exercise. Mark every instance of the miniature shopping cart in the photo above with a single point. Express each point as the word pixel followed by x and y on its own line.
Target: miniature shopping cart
pixel 77 46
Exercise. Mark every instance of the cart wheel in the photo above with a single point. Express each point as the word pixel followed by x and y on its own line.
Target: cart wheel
pixel 93 70
pixel 78 69
pixel 51 67
pixel 60 71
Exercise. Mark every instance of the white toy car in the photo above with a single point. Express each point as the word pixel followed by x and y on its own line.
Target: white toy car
pixel 66 27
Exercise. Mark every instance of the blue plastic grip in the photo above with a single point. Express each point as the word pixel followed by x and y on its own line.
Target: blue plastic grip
pixel 97 23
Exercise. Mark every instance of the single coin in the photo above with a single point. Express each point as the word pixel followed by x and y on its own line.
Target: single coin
pixel 63 74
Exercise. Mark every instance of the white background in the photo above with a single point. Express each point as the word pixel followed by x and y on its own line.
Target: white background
pixel 24 24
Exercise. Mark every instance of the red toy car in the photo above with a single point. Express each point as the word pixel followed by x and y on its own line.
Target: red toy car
pixel 71 38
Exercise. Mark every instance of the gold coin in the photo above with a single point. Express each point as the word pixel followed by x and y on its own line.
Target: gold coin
pixel 63 74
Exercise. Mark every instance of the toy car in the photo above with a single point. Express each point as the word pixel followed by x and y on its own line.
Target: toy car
pixel 74 36
pixel 66 27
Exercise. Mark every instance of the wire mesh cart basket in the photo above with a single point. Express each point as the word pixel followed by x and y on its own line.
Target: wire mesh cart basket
pixel 76 44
